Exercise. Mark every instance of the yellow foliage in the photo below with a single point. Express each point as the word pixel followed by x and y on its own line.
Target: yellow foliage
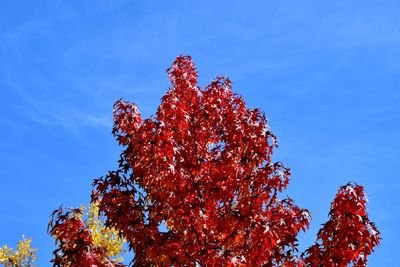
pixel 23 256
pixel 102 236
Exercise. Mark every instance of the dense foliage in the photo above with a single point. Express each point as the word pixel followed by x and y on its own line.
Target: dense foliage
pixel 83 239
pixel 23 256
pixel 196 186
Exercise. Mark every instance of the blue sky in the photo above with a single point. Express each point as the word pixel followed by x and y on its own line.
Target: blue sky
pixel 325 72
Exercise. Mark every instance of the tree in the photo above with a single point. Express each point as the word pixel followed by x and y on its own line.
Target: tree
pixel 103 238
pixel 196 186
pixel 23 256
pixel 349 235
pixel 79 232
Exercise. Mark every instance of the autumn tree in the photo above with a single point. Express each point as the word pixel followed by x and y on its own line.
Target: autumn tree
pixel 80 232
pixel 348 236
pixel 196 186
pixel 104 239
pixel 23 256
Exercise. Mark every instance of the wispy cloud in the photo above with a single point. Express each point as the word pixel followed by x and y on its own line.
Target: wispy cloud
pixel 67 117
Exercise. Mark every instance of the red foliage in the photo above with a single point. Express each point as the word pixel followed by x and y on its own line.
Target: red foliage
pixel 349 236
pixel 75 245
pixel 196 187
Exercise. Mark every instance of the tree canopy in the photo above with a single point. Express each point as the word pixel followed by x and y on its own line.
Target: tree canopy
pixel 197 186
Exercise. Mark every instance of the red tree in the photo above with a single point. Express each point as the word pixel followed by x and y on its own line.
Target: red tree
pixel 348 236
pixel 196 187
pixel 76 246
